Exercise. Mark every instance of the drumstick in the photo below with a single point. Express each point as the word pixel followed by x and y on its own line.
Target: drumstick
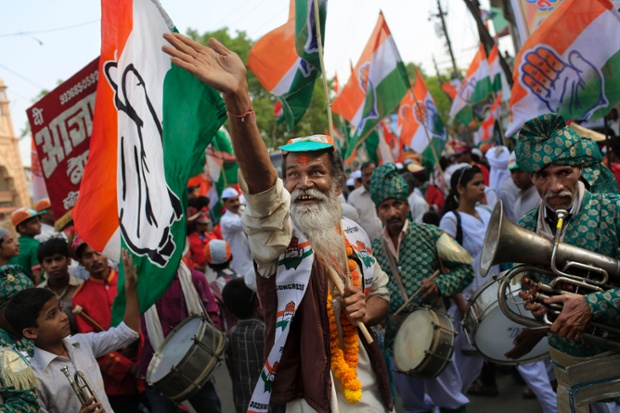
pixel 402 307
pixel 78 310
pixel 340 287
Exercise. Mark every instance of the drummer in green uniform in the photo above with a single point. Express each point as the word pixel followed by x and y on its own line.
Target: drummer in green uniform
pixel 412 253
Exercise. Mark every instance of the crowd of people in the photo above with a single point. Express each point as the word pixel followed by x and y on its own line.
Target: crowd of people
pixel 313 274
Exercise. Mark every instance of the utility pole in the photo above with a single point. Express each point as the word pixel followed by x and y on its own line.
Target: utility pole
pixel 441 15
pixel 485 37
pixel 439 77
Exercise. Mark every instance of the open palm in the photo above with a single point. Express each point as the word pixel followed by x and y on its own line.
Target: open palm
pixel 214 65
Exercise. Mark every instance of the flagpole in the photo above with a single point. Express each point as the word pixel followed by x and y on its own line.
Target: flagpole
pixel 499 120
pixel 317 23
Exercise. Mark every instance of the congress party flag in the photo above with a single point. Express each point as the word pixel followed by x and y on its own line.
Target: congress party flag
pixel 152 124
pixel 569 65
pixel 419 120
pixel 495 69
pixel 474 90
pixel 484 134
pixel 379 83
pixel 278 59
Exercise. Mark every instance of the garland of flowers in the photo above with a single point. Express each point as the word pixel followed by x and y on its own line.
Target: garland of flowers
pixel 344 363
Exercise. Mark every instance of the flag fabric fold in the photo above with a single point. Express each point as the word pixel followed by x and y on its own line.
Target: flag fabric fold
pixel 474 91
pixel 419 121
pixel 570 65
pixel 152 124
pixel 375 88
pixel 286 60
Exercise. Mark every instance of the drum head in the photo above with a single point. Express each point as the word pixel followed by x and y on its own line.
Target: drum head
pixel 173 350
pixel 495 332
pixel 413 339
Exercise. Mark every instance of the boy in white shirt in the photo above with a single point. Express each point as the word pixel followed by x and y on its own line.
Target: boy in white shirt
pixel 37 315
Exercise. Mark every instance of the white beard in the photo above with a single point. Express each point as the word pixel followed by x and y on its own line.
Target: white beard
pixel 320 223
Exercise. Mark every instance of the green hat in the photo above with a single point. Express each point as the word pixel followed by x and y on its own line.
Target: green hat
pixel 386 183
pixel 599 177
pixel 547 140
pixel 12 280
pixel 308 144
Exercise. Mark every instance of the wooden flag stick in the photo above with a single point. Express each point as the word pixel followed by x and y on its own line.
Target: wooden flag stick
pixel 317 23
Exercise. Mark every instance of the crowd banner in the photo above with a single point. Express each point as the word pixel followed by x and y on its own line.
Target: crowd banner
pixel 61 123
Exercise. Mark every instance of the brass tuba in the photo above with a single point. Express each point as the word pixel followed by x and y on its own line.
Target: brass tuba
pixel 81 387
pixel 506 242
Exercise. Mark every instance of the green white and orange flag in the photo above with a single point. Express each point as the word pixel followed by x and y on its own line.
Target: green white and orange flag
pixel 484 134
pixel 570 65
pixel 286 60
pixel 375 88
pixel 418 111
pixel 152 123
pixel 474 90
pixel 495 69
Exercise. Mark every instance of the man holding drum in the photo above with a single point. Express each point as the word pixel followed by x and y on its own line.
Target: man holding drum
pixel 298 243
pixel 552 153
pixel 426 264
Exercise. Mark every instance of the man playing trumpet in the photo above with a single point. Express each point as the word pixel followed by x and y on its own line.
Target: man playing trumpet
pixel 552 153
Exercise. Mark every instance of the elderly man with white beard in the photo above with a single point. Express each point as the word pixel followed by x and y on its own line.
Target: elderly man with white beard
pixel 303 250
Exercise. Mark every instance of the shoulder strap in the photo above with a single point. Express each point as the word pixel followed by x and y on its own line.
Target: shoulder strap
pixel 459 228
pixel 394 268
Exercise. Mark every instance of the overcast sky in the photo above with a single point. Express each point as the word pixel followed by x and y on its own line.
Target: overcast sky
pixel 42 42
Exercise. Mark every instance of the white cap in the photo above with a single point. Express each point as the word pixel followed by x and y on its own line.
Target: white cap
pixel 356 174
pixel 229 193
pixel 350 182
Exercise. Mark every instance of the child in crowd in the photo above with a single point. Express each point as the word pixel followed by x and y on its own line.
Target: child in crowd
pixel 244 355
pixel 27 223
pixel 36 314
pixel 53 255
pixel 218 257
pixel 17 381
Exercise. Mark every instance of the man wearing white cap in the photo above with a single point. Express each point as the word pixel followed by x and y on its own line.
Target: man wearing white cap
pixel 232 232
pixel 527 198
pixel 298 242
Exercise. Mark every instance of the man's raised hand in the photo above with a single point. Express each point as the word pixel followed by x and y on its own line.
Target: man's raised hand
pixel 215 65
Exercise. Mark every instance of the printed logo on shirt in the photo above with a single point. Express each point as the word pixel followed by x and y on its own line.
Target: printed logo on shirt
pixel 268 375
pixel 295 253
pixel 363 253
pixel 285 316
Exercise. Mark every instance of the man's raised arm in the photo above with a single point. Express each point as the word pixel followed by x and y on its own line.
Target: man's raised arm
pixel 224 71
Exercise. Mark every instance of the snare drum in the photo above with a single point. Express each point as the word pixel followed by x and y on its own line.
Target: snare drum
pixel 424 343
pixel 186 358
pixel 491 332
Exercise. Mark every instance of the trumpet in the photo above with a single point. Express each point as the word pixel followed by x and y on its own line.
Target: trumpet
pixel 506 242
pixel 81 387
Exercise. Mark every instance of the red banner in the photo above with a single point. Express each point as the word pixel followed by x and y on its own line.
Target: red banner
pixel 61 124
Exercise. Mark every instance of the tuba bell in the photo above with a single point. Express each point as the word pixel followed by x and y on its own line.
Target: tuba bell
pixel 506 242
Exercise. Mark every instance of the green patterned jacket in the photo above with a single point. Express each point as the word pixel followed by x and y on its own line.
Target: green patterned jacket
pixel 419 260
pixel 15 400
pixel 595 228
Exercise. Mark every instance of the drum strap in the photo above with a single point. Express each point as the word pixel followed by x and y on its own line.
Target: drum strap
pixel 394 268
pixel 192 301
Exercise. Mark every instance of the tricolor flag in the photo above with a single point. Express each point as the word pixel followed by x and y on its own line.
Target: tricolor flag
pixel 418 111
pixel 569 65
pixel 375 88
pixel 152 124
pixel 451 88
pixel 474 90
pixel 484 134
pixel 278 111
pixel 222 169
pixel 279 62
pixel 495 69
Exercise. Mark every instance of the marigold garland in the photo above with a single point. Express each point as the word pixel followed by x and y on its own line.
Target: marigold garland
pixel 344 362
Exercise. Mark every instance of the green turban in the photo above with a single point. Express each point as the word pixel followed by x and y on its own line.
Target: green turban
pixel 386 183
pixel 547 140
pixel 597 175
